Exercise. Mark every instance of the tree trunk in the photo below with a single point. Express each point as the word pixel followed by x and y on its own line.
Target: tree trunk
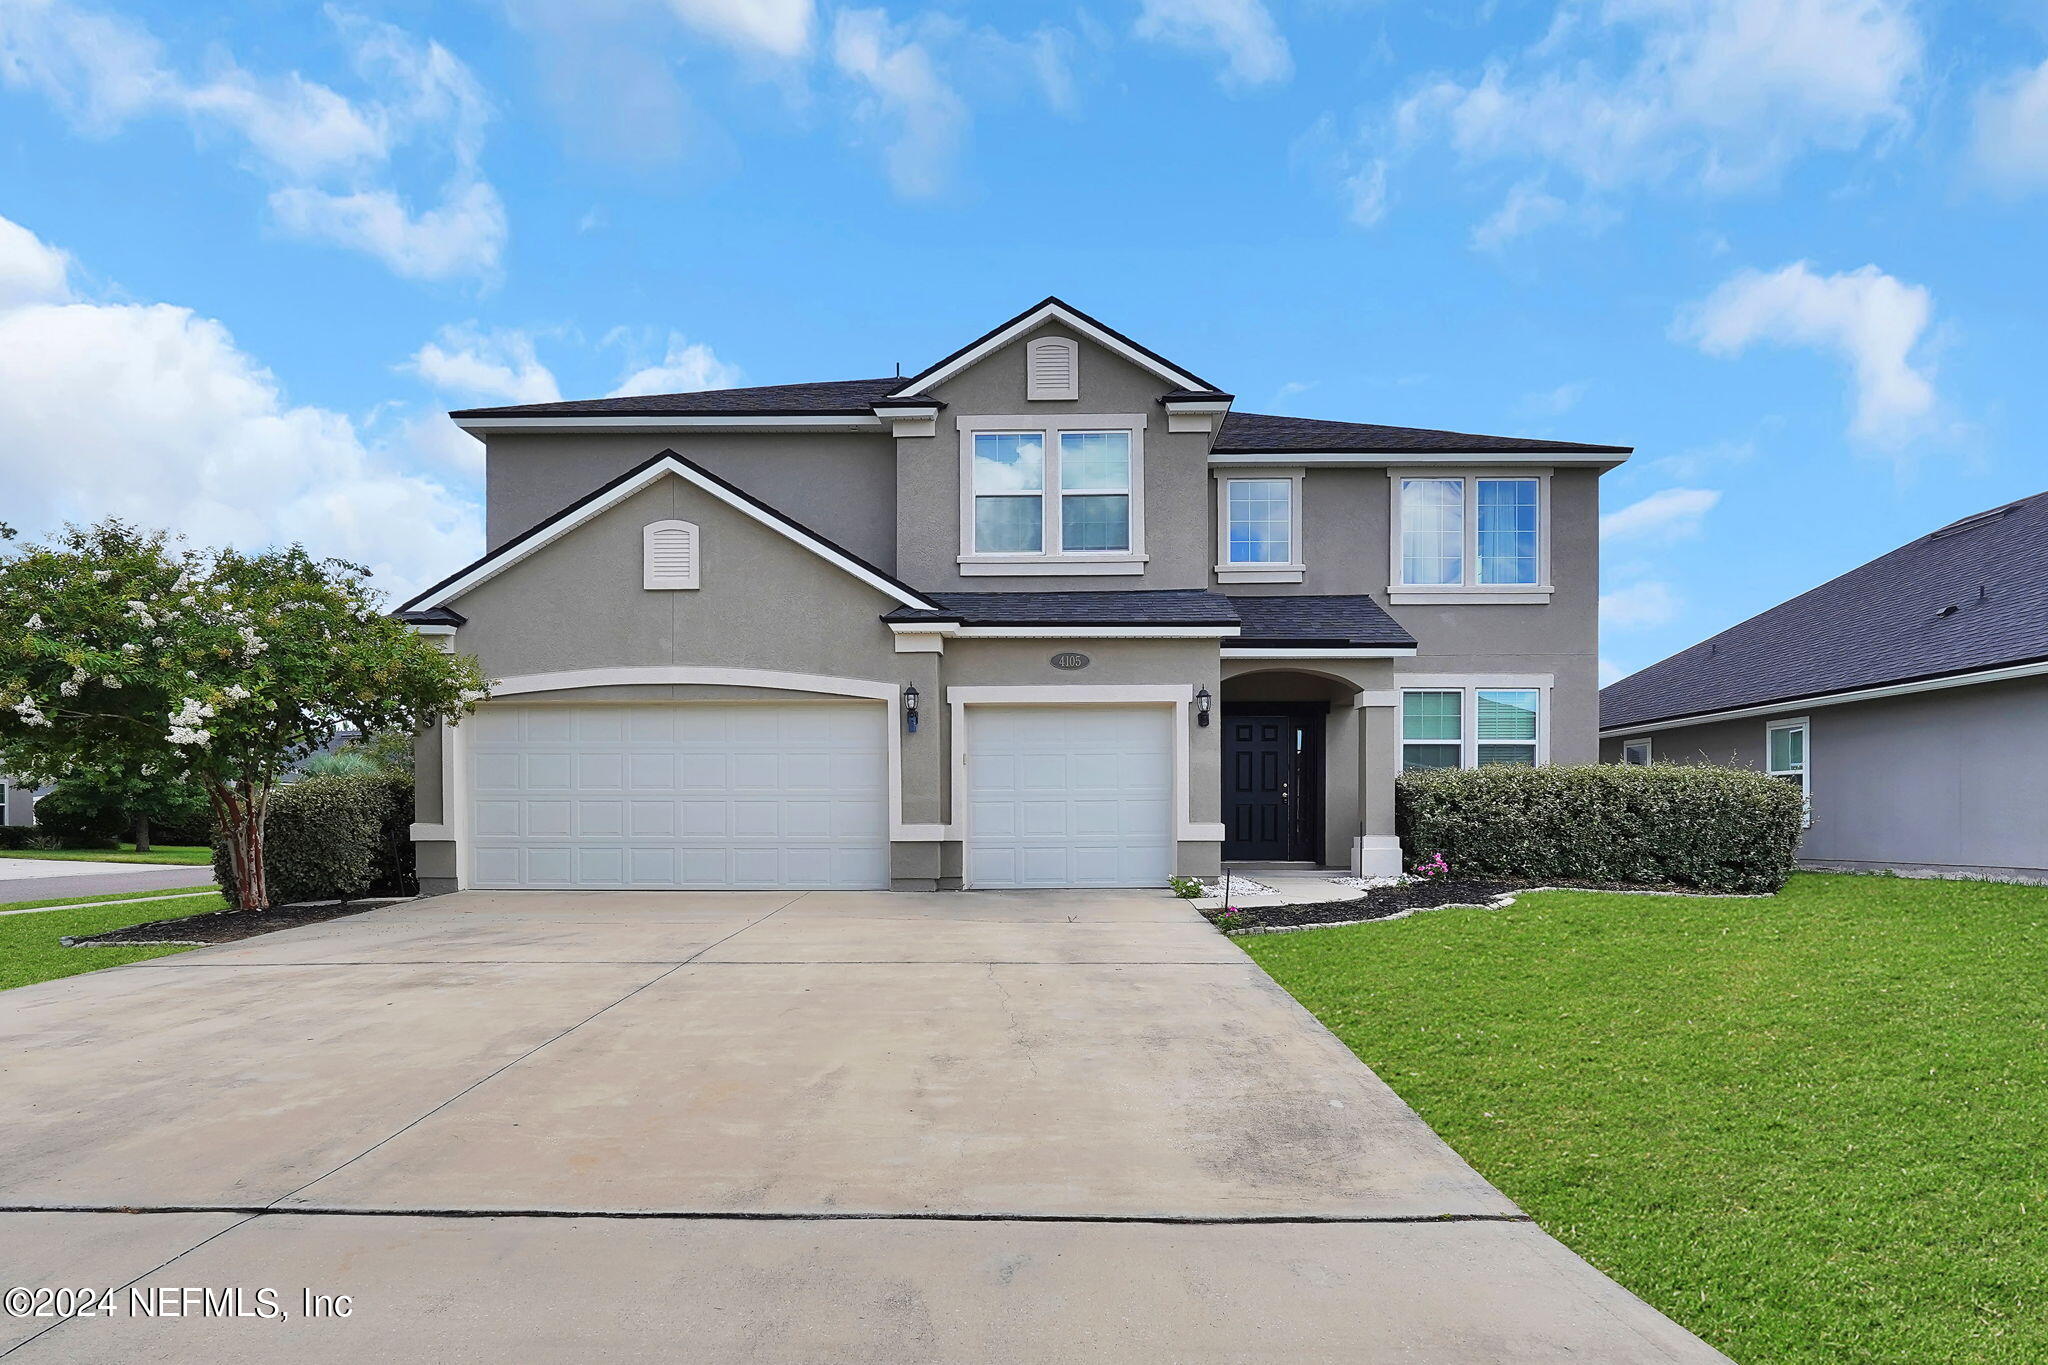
pixel 142 834
pixel 240 814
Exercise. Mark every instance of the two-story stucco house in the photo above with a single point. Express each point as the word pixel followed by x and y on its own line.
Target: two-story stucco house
pixel 1048 613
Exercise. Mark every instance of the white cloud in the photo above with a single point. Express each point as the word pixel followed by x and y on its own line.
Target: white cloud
pixel 1611 671
pixel 687 367
pixel 1718 94
pixel 1242 32
pixel 465 359
pixel 150 411
pixel 1872 320
pixel 2011 143
pixel 31 271
pixel 1558 401
pixel 1649 603
pixel 1528 206
pixel 327 155
pixel 781 28
pixel 905 93
pixel 1669 514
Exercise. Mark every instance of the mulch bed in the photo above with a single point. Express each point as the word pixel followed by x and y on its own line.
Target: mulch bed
pixel 227 926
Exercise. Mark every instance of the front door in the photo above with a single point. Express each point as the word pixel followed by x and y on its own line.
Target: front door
pixel 1272 785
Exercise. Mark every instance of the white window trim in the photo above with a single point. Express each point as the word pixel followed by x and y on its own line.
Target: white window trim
pixel 1296 568
pixel 1804 772
pixel 1470 685
pixel 1648 748
pixel 1471 591
pixel 974 563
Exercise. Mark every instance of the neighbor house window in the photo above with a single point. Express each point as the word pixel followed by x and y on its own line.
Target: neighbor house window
pixel 1785 750
pixel 1469 533
pixel 1636 753
pixel 1471 727
pixel 1060 491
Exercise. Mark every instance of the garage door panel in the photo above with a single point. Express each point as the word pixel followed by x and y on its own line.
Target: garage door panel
pixel 1069 796
pixel 696 795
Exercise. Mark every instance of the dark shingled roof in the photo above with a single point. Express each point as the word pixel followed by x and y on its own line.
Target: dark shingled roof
pixel 1149 607
pixel 1261 431
pixel 432 616
pixel 837 397
pixel 1317 622
pixel 1969 596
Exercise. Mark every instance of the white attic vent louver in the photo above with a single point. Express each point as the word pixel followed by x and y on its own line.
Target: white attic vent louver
pixel 668 556
pixel 1052 370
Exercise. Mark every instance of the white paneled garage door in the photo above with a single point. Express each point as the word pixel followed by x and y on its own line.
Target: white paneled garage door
pixel 1069 795
pixel 683 795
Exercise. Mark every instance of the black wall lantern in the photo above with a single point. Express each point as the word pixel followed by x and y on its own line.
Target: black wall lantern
pixel 910 709
pixel 1202 707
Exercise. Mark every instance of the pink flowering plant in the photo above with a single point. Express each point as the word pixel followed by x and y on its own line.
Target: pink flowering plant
pixel 123 651
pixel 1432 867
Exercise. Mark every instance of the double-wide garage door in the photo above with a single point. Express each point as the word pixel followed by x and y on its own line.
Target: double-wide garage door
pixel 688 795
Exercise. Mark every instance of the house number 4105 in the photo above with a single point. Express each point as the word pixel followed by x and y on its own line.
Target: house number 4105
pixel 1070 661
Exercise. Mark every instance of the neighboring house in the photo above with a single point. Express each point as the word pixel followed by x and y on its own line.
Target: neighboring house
pixel 17 803
pixel 1908 699
pixel 1048 613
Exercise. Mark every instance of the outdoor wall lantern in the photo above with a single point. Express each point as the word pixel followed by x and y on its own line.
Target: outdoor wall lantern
pixel 1202 707
pixel 910 709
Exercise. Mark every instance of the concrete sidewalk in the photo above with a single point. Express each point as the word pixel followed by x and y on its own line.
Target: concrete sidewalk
pixel 36 879
pixel 756 1126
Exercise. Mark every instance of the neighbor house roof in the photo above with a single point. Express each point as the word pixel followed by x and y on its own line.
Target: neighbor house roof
pixel 1318 622
pixel 1968 597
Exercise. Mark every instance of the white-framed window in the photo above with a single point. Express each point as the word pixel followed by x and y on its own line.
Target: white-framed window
pixel 1058 495
pixel 1636 753
pixel 1786 756
pixel 1258 527
pixel 1479 536
pixel 1448 726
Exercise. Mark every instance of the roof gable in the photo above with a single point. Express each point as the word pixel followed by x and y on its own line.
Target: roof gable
pixel 1052 309
pixel 1970 596
pixel 666 464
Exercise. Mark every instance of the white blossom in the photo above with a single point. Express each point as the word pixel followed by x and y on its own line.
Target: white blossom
pixel 472 695
pixel 102 575
pixel 252 643
pixel 185 725
pixel 30 713
pixel 236 692
pixel 34 622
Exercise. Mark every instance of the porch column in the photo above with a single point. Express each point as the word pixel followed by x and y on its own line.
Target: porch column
pixel 1376 850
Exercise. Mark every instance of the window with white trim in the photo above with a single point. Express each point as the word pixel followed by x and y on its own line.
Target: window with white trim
pixel 1475 532
pixel 1785 756
pixel 1471 727
pixel 1067 490
pixel 1636 753
pixel 1258 517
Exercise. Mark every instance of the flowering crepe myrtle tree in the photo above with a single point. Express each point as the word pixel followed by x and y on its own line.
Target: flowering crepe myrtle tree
pixel 121 649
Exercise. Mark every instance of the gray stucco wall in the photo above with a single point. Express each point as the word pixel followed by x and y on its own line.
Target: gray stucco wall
pixel 1952 782
pixel 840 484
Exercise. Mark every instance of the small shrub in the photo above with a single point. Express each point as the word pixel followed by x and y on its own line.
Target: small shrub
pixel 16 836
pixel 76 814
pixel 1711 828
pixel 51 843
pixel 1187 888
pixel 333 838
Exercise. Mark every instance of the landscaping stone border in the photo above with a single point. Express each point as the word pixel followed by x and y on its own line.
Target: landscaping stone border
pixel 1496 902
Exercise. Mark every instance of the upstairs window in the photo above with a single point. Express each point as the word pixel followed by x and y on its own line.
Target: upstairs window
pixel 1063 497
pixel 1259 517
pixel 1469 533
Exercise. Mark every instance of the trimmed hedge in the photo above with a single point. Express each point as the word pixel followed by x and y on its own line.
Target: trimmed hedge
pixel 333 838
pixel 1715 829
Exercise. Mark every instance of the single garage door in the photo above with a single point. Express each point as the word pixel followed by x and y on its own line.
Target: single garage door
pixel 1069 795
pixel 684 795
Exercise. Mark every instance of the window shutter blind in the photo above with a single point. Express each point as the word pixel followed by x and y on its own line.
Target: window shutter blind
pixel 669 556
pixel 1052 370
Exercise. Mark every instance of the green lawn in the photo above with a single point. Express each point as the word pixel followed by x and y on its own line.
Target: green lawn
pixel 1810 1128
pixel 30 952
pixel 192 855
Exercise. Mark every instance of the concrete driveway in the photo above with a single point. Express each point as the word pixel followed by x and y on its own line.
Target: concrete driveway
pixel 753 1126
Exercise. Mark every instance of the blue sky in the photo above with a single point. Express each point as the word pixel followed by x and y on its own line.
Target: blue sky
pixel 1789 250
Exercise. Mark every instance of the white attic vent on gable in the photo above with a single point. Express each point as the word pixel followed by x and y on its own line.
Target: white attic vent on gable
pixel 1052 369
pixel 668 555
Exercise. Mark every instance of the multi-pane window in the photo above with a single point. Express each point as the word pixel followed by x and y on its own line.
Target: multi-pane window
pixel 1091 471
pixel 1009 492
pixel 1636 753
pixel 1259 521
pixel 1471 532
pixel 1469 727
pixel 1785 742
pixel 1432 531
pixel 1507 726
pixel 1095 490
pixel 1432 730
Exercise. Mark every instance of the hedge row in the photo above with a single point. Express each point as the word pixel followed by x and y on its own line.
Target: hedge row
pixel 1715 829
pixel 333 838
